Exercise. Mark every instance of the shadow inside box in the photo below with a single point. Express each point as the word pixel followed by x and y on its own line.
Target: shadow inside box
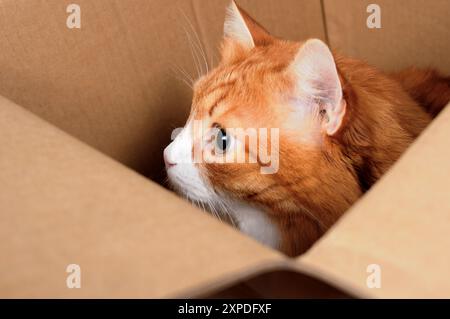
pixel 279 284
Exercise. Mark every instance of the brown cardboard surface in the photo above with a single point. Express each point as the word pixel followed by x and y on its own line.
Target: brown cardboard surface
pixel 109 84
pixel 413 32
pixel 402 225
pixel 64 203
pixel 115 83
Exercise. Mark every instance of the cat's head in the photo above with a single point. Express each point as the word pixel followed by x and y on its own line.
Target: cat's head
pixel 286 93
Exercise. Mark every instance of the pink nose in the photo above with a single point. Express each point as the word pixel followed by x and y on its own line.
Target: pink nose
pixel 167 160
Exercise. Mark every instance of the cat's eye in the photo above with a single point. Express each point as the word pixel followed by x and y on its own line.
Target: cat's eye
pixel 223 140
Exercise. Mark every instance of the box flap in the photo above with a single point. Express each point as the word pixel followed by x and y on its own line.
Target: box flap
pixel 64 203
pixel 402 225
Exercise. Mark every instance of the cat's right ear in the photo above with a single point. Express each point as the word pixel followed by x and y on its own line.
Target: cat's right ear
pixel 318 83
pixel 240 28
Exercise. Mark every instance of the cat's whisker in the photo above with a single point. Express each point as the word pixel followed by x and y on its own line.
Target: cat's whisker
pixel 197 203
pixel 214 211
pixel 184 73
pixel 203 206
pixel 221 207
pixel 199 42
pixel 194 53
pixel 178 70
pixel 183 79
pixel 226 210
pixel 211 210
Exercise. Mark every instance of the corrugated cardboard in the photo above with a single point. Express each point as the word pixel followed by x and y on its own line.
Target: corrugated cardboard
pixel 413 32
pixel 109 85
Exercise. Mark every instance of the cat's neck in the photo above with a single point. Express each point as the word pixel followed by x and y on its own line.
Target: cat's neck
pixel 255 222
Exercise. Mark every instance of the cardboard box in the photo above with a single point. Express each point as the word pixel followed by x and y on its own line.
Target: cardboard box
pixel 88 111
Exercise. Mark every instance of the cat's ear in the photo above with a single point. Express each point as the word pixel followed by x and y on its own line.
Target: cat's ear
pixel 240 27
pixel 318 83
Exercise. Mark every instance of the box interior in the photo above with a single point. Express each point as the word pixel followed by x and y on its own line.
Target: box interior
pixel 115 86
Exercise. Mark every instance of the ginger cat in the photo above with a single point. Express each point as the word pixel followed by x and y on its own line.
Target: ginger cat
pixel 341 125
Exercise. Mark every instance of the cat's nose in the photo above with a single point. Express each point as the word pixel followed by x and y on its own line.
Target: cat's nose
pixel 167 160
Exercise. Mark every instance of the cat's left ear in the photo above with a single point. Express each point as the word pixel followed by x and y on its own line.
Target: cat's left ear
pixel 241 28
pixel 318 83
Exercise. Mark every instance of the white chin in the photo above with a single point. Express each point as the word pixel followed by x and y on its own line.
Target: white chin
pixel 186 180
pixel 250 220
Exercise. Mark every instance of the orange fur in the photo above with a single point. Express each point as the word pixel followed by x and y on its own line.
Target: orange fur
pixel 316 182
